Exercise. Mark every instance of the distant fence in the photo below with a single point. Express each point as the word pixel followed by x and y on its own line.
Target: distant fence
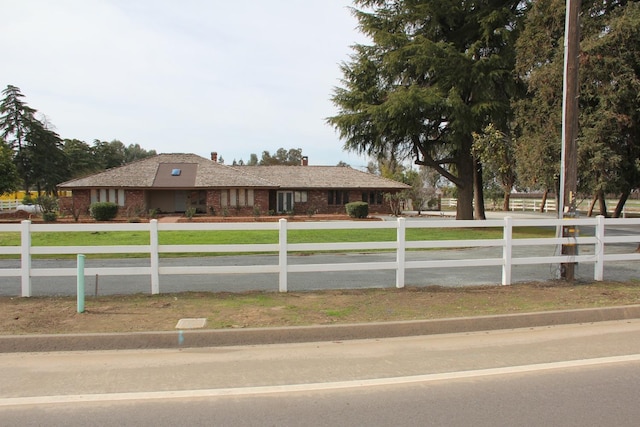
pixel 515 204
pixel 8 204
pixel 155 271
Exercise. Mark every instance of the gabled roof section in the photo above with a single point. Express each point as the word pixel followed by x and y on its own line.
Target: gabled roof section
pixel 316 177
pixel 175 175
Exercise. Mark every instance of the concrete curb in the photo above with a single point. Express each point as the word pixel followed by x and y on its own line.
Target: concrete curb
pixel 260 336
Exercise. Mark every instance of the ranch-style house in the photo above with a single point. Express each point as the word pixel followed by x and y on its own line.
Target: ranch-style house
pixel 174 183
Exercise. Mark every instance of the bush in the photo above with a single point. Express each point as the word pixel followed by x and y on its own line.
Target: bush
pixel 357 209
pixel 103 211
pixel 190 213
pixel 48 205
pixel 49 216
pixel 27 199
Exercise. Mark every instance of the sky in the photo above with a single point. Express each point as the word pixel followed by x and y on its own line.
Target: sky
pixel 188 76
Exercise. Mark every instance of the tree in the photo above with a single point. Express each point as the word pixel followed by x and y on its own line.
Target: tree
pixel 16 117
pixel 9 179
pixel 608 146
pixel 539 62
pixel 134 152
pixel 109 154
pixel 436 72
pixel 46 159
pixel 253 160
pixel 38 156
pixel 496 151
pixel 291 157
pixel 80 159
pixel 15 121
pixel 610 65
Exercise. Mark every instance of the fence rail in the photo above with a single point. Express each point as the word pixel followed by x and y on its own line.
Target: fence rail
pixel 155 271
pixel 515 204
pixel 8 204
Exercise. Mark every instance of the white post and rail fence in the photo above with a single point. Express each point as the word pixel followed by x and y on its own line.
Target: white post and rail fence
pixel 155 271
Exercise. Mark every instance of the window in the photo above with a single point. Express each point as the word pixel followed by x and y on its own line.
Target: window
pixel 176 172
pixel 285 201
pixel 113 195
pixel 338 197
pixel 300 196
pixel 237 197
pixel 372 197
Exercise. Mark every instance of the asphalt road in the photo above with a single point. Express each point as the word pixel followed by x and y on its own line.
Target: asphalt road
pixel 569 375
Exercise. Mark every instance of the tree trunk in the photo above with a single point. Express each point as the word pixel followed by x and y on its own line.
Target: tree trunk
pixel 543 204
pixel 617 213
pixel 592 205
pixel 464 207
pixel 506 201
pixel 466 179
pixel 603 203
pixel 478 194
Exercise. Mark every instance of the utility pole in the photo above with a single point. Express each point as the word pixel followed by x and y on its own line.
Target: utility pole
pixel 569 161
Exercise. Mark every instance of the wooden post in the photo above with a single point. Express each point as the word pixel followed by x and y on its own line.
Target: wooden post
pixel 569 166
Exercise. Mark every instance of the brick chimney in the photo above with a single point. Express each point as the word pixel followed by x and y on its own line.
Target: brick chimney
pixel 214 156
pixel 305 161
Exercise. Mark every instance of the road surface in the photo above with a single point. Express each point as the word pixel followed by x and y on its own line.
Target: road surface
pixel 565 375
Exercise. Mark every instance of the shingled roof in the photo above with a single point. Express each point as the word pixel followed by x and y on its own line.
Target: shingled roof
pixel 314 177
pixel 200 172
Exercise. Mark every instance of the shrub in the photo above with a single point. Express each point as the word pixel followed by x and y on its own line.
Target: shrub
pixel 48 205
pixel 27 199
pixel 190 213
pixel 103 211
pixel 357 209
pixel 49 216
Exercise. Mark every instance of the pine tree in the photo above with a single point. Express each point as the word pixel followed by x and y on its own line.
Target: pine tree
pixel 437 71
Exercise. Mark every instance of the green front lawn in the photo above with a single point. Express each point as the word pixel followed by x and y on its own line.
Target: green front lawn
pixel 237 237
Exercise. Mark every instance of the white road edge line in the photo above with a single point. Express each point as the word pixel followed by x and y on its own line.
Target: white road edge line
pixel 244 391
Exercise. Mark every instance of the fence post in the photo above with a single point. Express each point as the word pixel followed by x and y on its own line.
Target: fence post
pixel 400 252
pixel 155 257
pixel 80 283
pixel 507 249
pixel 598 269
pixel 282 255
pixel 25 258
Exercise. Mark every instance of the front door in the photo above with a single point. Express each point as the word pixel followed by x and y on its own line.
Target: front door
pixel 285 201
pixel 181 200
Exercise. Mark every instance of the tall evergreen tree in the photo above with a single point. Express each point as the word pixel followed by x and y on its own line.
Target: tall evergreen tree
pixel 9 179
pixel 16 117
pixel 609 75
pixel 38 150
pixel 437 71
pixel 46 159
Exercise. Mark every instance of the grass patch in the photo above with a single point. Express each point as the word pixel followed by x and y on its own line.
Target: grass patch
pixel 238 237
